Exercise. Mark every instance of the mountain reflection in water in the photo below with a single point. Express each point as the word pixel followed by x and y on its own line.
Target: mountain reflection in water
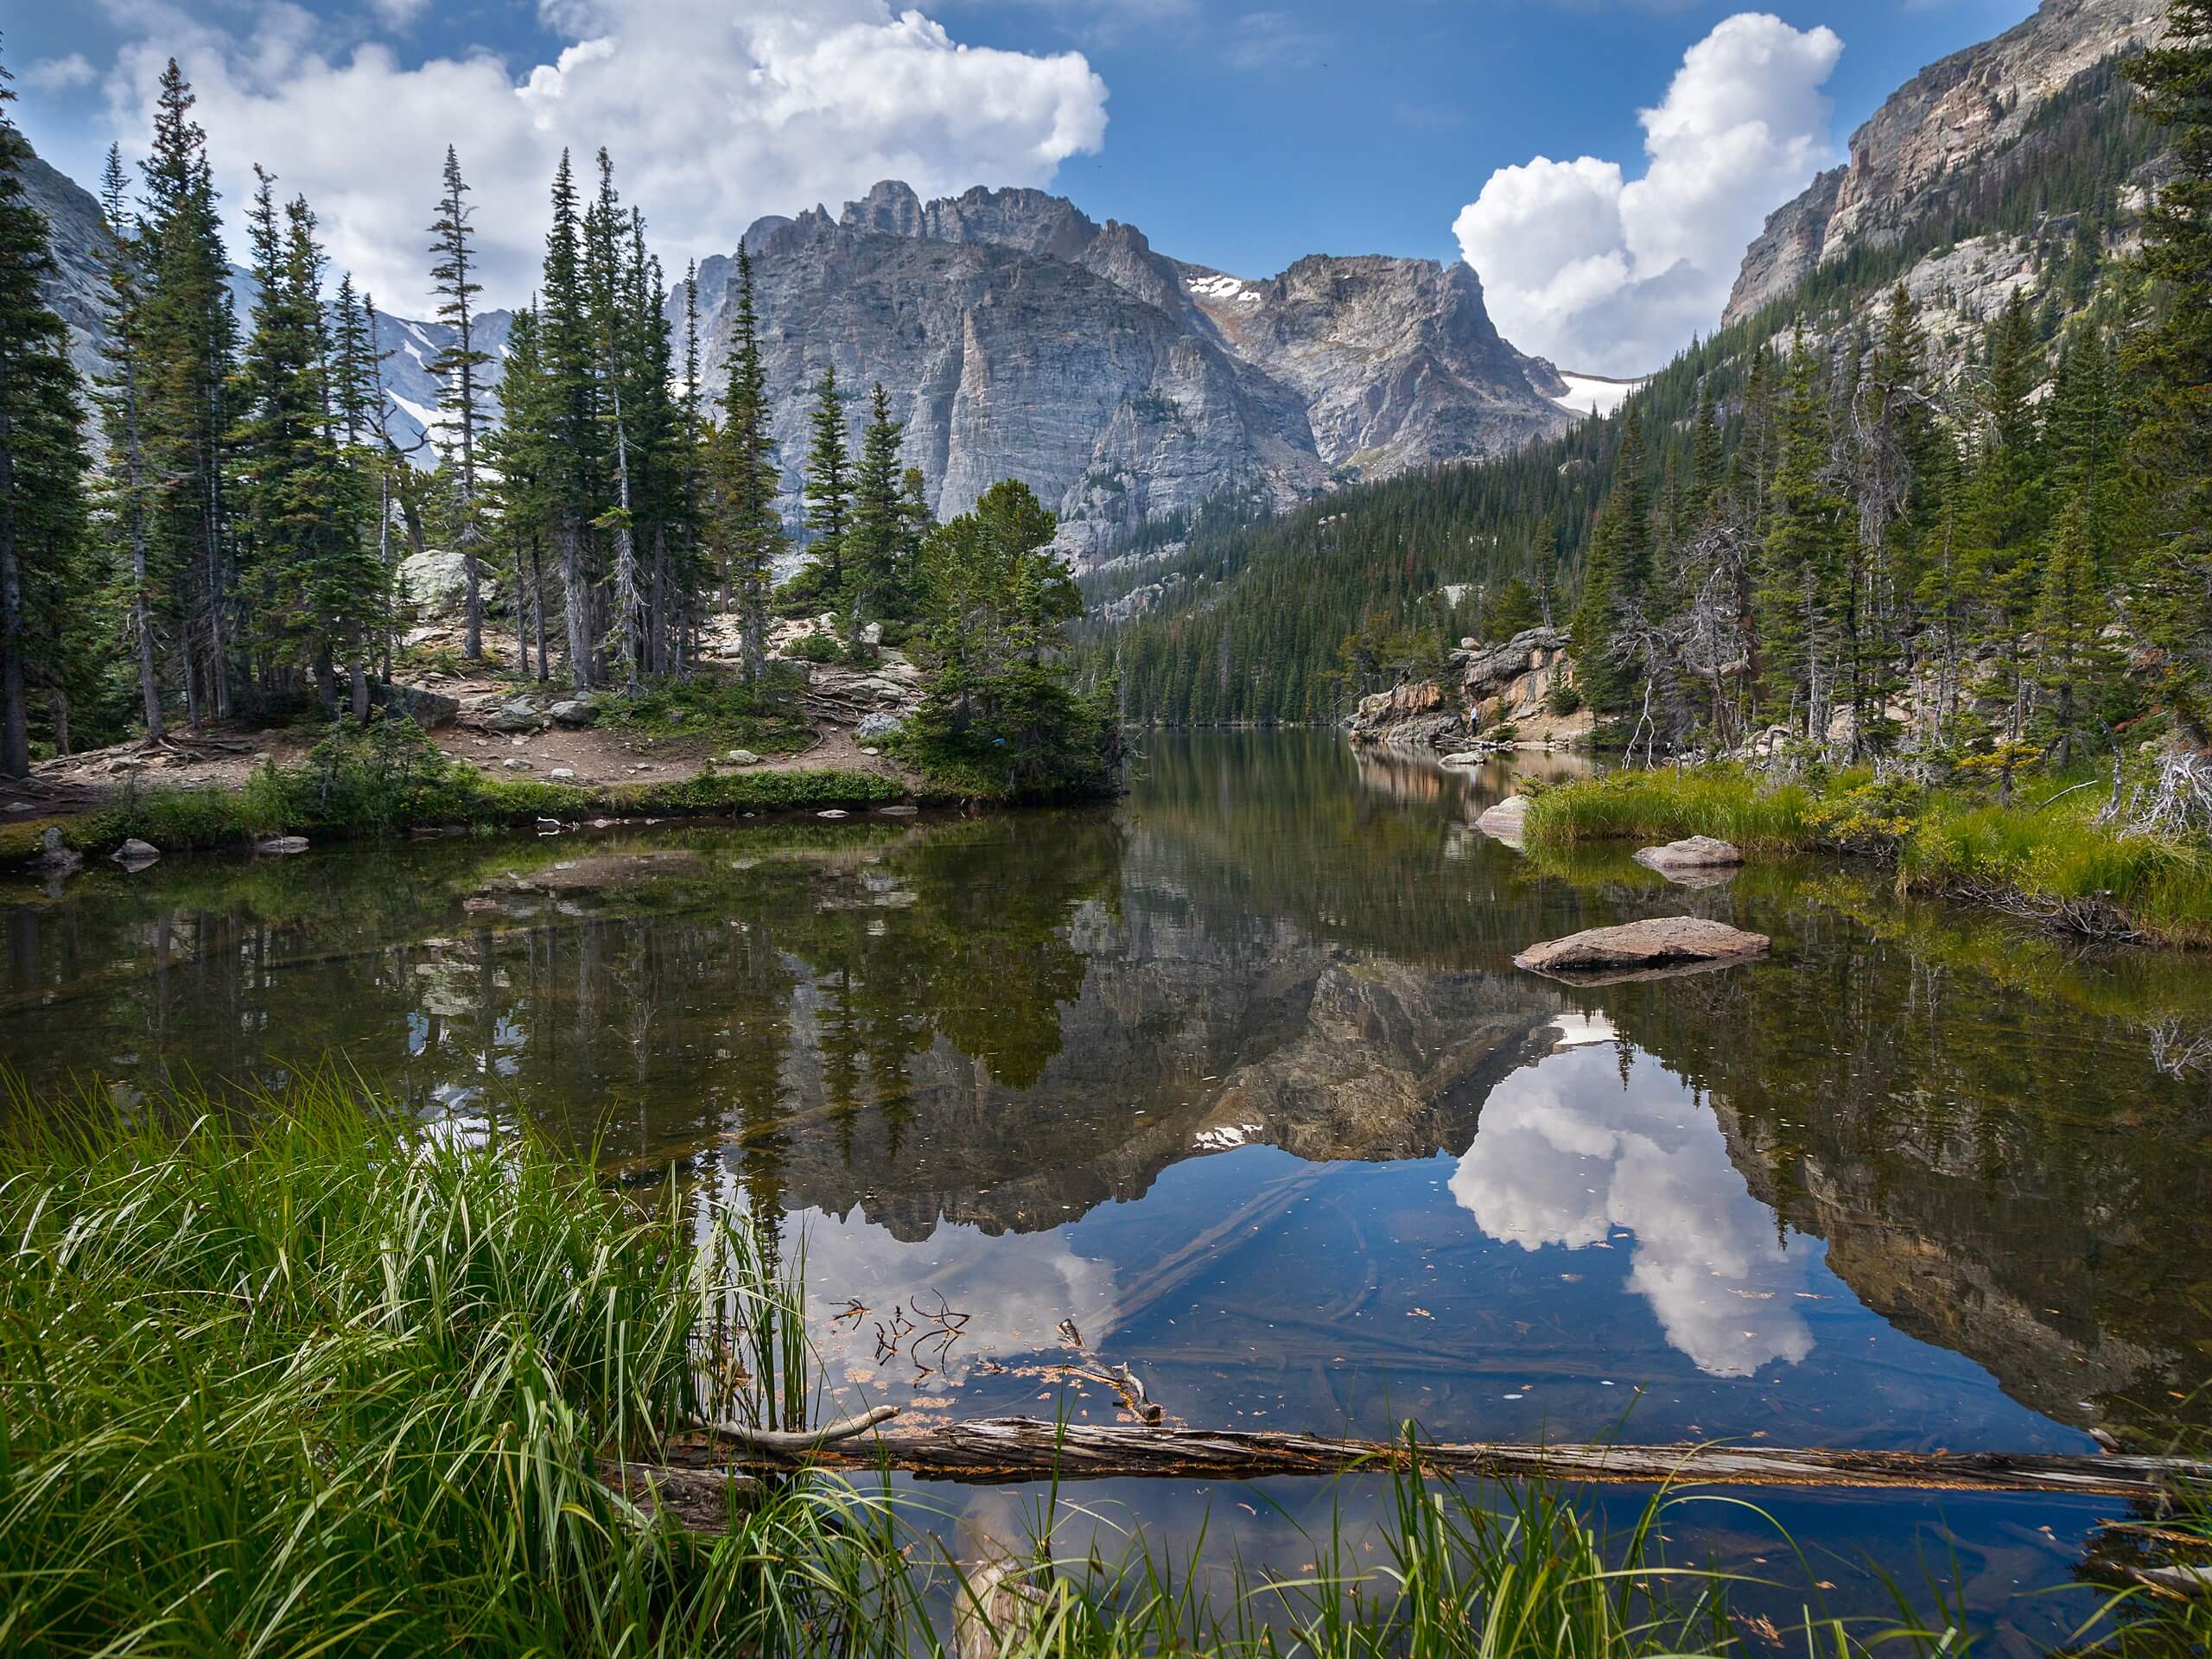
pixel 1238 1084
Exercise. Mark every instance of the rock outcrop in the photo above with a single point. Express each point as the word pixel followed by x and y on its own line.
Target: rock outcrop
pixel 1491 687
pixel 1019 338
pixel 1927 142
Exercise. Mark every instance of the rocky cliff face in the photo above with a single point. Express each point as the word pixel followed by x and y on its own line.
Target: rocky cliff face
pixel 1019 339
pixel 73 216
pixel 1952 119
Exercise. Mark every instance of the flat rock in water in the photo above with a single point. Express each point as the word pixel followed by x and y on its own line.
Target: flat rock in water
pixel 135 854
pixel 1664 945
pixel 1698 853
pixel 1466 758
pixel 282 844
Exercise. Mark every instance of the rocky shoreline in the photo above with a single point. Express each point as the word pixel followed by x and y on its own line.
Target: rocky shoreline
pixel 1517 695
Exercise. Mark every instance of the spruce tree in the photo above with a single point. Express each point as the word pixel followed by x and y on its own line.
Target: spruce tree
pixel 2170 361
pixel 188 340
pixel 1802 558
pixel 748 528
pixel 570 430
pixel 43 565
pixel 122 414
pixel 876 540
pixel 518 458
pixel 829 494
pixel 459 369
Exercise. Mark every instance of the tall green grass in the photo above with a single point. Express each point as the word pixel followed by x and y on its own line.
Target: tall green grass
pixel 337 1385
pixel 2052 861
pixel 1669 805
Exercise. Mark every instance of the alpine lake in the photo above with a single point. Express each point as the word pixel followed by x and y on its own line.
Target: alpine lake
pixel 1235 1084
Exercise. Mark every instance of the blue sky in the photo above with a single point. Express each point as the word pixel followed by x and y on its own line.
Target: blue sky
pixel 1236 134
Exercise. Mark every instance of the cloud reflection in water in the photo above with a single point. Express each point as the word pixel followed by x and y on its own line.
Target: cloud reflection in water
pixel 1569 1151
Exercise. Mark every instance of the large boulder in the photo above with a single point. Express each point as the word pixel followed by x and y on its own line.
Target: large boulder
pixel 516 716
pixel 574 711
pixel 428 709
pixel 135 854
pixel 437 582
pixel 1635 949
pixel 1507 822
pixel 879 724
pixel 1695 854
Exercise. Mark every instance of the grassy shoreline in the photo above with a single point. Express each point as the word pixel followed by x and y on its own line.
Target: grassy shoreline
pixel 2048 859
pixel 284 803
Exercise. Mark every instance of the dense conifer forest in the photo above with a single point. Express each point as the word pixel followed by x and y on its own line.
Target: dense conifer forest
pixel 1815 520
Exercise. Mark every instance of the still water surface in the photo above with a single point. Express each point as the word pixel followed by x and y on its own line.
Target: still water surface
pixel 1238 1085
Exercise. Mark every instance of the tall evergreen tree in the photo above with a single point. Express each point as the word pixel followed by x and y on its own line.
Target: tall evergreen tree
pixel 122 413
pixel 1801 559
pixel 2170 361
pixel 748 531
pixel 188 340
pixel 829 494
pixel 42 529
pixel 878 541
pixel 459 368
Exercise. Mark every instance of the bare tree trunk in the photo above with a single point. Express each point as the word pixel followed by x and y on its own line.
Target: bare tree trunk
pixel 626 559
pixel 15 714
pixel 575 601
pixel 537 609
pixel 998 1450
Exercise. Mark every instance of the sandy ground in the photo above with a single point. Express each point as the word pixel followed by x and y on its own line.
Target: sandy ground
pixel 222 754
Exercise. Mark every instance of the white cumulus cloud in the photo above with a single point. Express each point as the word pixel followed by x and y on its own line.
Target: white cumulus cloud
pixel 1612 275
pixel 715 111
pixel 57 74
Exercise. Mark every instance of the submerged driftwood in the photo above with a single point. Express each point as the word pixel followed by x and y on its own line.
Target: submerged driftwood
pixel 1023 1448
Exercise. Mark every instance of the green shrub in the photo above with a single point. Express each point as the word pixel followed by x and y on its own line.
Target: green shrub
pixel 815 648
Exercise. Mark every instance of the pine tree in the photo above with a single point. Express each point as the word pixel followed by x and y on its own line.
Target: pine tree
pixel 876 542
pixel 747 530
pixel 522 501
pixel 2170 362
pixel 570 431
pixel 2068 618
pixel 43 566
pixel 829 495
pixel 1802 558
pixel 459 369
pixel 122 415
pixel 188 340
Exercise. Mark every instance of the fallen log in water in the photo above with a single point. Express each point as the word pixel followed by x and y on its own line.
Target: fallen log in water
pixel 1022 1448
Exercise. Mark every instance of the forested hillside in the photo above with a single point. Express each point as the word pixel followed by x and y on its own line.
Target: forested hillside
pixel 1916 381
